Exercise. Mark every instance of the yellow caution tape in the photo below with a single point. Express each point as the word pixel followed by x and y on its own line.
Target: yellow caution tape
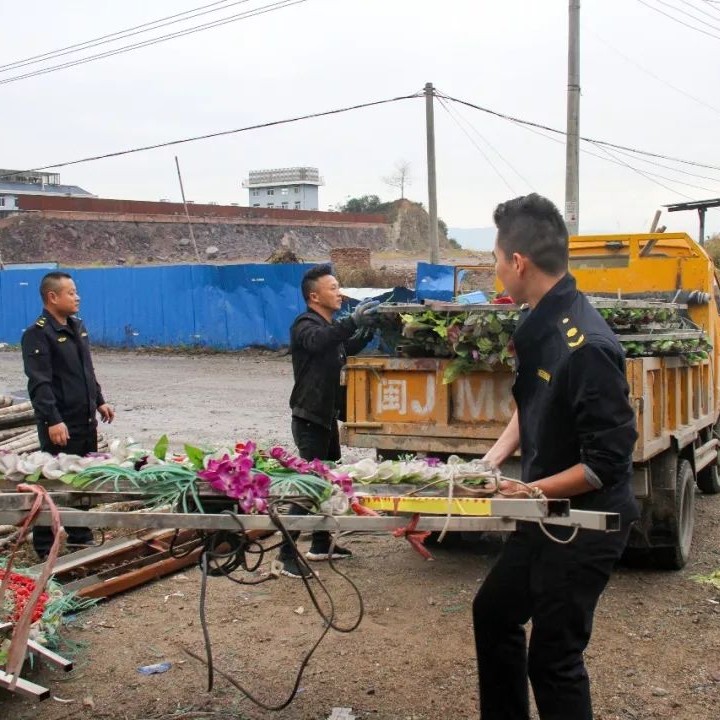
pixel 474 507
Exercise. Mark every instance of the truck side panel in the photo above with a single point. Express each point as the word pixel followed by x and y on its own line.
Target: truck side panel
pixel 402 404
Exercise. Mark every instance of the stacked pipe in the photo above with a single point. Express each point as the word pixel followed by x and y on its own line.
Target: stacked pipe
pixel 18 433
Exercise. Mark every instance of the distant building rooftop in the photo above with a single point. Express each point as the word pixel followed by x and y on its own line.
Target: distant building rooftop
pixel 27 188
pixel 283 176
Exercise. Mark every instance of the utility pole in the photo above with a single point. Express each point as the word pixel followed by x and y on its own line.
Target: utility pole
pixel 187 214
pixel 432 180
pixel 572 156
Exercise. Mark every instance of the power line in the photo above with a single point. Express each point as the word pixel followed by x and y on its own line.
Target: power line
pixel 651 73
pixel 648 176
pixel 668 167
pixel 677 20
pixel 688 14
pixel 474 129
pixel 643 174
pixel 480 150
pixel 530 123
pixel 112 37
pixel 221 133
pixel 163 38
pixel 714 15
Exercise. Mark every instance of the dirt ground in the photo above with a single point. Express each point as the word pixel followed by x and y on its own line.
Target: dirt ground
pixel 655 652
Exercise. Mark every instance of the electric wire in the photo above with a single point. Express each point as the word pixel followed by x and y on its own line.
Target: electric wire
pixel 648 176
pixel 714 15
pixel 119 35
pixel 656 163
pixel 478 148
pixel 210 554
pixel 529 123
pixel 460 119
pixel 262 10
pixel 677 20
pixel 221 133
pixel 688 14
pixel 651 73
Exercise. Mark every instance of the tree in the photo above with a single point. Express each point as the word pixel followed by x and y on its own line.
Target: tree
pixel 364 204
pixel 400 177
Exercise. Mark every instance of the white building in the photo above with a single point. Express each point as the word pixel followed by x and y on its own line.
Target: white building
pixel 284 188
pixel 15 183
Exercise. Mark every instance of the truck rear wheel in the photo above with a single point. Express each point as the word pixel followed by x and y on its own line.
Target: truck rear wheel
pixel 708 479
pixel 675 556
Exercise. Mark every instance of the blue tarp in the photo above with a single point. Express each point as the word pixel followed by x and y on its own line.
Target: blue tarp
pixel 434 282
pixel 224 307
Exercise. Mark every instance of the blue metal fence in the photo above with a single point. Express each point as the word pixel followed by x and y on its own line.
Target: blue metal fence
pixel 219 306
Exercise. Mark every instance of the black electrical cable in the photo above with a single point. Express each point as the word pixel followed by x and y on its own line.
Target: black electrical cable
pixel 236 558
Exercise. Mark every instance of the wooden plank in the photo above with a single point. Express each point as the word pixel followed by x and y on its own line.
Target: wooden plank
pixel 50 656
pixel 99 587
pixel 24 687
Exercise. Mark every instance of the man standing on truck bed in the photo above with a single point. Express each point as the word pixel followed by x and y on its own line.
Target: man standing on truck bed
pixel 62 386
pixel 319 347
pixel 576 431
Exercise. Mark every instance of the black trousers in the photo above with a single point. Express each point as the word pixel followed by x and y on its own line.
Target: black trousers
pixel 314 442
pixel 557 587
pixel 82 441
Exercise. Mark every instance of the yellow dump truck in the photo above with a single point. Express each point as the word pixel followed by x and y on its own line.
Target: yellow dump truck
pixel 401 405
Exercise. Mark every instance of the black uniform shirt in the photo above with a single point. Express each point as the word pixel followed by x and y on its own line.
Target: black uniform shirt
pixel 61 377
pixel 572 397
pixel 319 351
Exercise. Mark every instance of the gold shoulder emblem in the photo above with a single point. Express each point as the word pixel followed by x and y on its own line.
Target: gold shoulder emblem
pixel 574 337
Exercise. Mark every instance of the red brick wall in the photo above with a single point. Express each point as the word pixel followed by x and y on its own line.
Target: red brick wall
pixel 142 207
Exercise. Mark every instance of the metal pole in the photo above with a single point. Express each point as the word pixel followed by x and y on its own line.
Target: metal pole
pixel 432 180
pixel 572 156
pixel 187 214
pixel 701 213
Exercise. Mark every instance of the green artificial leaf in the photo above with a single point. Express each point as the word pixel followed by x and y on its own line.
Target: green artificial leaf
pixel 161 448
pixel 195 456
pixel 34 477
pixel 455 369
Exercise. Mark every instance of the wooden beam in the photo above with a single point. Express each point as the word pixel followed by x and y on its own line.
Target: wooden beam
pixel 24 687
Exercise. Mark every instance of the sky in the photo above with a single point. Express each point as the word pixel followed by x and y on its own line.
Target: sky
pixel 648 82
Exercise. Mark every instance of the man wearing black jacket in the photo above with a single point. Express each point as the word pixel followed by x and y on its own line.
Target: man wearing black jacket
pixel 575 429
pixel 64 391
pixel 319 347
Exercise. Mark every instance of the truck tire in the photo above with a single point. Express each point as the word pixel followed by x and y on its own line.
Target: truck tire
pixel 675 556
pixel 708 479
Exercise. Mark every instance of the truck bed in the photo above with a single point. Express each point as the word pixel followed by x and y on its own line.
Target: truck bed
pixel 401 404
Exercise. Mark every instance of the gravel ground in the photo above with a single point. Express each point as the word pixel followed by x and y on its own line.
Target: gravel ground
pixel 655 652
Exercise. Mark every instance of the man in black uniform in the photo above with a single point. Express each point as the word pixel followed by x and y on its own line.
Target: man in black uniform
pixel 62 386
pixel 319 347
pixel 576 431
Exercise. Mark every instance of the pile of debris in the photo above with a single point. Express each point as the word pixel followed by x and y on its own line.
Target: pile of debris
pixel 18 432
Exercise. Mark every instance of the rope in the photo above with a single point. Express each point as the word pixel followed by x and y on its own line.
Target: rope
pixel 21 631
pixel 493 487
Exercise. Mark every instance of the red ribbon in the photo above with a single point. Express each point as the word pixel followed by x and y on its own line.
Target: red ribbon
pixel 415 537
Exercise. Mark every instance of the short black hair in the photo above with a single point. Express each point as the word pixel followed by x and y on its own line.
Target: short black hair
pixel 312 276
pixel 51 283
pixel 531 225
